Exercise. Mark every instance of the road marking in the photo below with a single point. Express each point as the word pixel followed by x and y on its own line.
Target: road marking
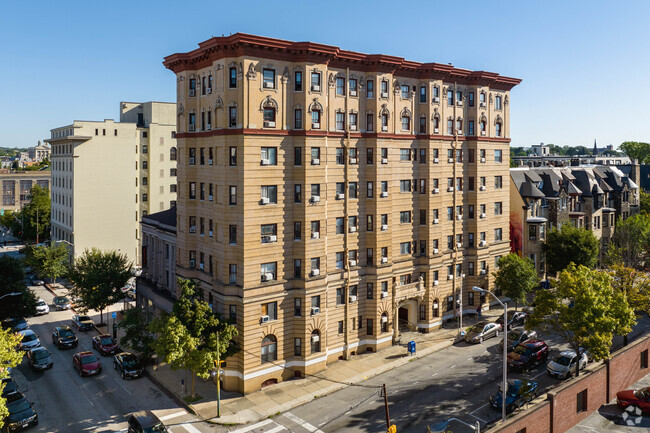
pixel 277 429
pixel 479 408
pixel 124 388
pixel 254 426
pixel 434 374
pixel 469 359
pixel 452 366
pixel 416 382
pixel 535 377
pixel 190 428
pixel 302 423
pixel 483 421
pixel 172 415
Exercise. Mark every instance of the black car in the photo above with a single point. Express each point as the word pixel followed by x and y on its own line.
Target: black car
pixel 17 324
pixel 515 318
pixel 21 414
pixel 11 387
pixel 528 354
pixel 62 303
pixel 516 336
pixel 145 422
pixel 64 337
pixel 128 365
pixel 83 323
pixel 39 359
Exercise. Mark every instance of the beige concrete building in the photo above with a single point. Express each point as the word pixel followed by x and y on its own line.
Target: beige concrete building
pixel 16 187
pixel 39 153
pixel 331 199
pixel 107 175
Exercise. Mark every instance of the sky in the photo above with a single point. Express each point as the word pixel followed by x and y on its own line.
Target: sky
pixel 584 64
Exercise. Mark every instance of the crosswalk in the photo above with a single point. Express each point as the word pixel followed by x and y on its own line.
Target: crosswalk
pixel 287 422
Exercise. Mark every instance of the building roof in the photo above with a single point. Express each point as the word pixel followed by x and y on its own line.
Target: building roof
pixel 165 220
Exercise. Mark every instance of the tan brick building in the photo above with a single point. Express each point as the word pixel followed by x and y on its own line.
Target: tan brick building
pixel 17 185
pixel 328 198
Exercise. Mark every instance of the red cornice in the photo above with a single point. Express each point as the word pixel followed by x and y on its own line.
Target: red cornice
pixel 242 44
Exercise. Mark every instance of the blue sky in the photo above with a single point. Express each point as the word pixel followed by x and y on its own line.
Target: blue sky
pixel 584 64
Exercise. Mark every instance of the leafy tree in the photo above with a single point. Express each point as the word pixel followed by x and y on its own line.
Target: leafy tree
pixel 570 244
pixel 98 277
pixel 136 335
pixel 637 150
pixel 644 199
pixel 12 280
pixel 516 277
pixel 9 357
pixel 631 241
pixel 50 261
pixel 635 286
pixel 584 309
pixel 192 337
pixel 32 222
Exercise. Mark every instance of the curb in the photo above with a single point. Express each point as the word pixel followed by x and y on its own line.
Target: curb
pixel 169 393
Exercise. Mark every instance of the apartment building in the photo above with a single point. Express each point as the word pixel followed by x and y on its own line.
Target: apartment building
pixel 106 175
pixel 329 200
pixel 17 186
pixel 159 251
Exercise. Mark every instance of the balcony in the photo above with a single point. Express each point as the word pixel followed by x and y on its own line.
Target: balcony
pixel 409 291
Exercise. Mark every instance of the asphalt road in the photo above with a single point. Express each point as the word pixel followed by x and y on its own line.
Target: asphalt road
pixel 66 402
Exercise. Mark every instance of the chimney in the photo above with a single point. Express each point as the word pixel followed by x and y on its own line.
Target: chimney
pixel 635 172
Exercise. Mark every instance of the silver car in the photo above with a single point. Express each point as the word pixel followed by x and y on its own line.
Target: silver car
pixel 482 331
pixel 42 307
pixel 29 340
pixel 565 364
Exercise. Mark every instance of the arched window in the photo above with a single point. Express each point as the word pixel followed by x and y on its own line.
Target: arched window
pixel 384 322
pixel 172 154
pixel 315 341
pixel 435 310
pixel 269 349
pixel 497 129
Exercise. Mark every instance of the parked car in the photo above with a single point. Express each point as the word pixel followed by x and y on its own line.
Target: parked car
pixel 145 422
pixel 38 282
pixel 105 344
pixel 62 303
pixel 565 364
pixel 83 323
pixel 42 307
pixel 528 354
pixel 634 397
pixel 64 337
pixel 516 336
pixel 39 359
pixel 518 393
pixel 515 318
pixel 128 365
pixel 87 363
pixel 29 341
pixel 16 324
pixel 21 414
pixel 10 388
pixel 481 331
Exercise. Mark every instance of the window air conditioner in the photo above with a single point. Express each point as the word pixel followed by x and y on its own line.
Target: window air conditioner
pixel 435 282
pixel 384 295
pixel 315 88
pixel 268 124
pixel 483 271
pixel 384 227
pixel 210 233
pixel 265 200
pixel 450 160
pixel 192 127
pixel 482 243
pixel 460 103
pixel 315 161
pixel 384 128
pixel 482 215
pixel 315 198
pixel 482 188
pixel 450 277
pixel 459 245
pixel 353 262
pixel 384 94
pixel 315 338
pixel 315 125
pixel 315 235
pixel 192 263
pixel 340 196
pixel 435 251
pixel 265 161
pixel 208 127
pixel 192 229
pixel 384 319
pixel 315 272
pixel 436 190
pixel 353 160
pixel 353 93
pixel 353 127
pixel 436 220
pixel 482 132
pixel 436 99
pixel 192 92
pixel 264 318
pixel 273 238
pixel 482 159
pixel 268 85
pixel 384 160
pixel 210 198
pixel 315 310
pixel 267 277
pixel 384 194
pixel 450 189
pixel 384 259
pixel 459 217
pixel 482 105
pixel 209 89
pixel 435 160
pixel 201 266
pixel 192 160
pixel 435 130
pixel 353 229
pixel 353 298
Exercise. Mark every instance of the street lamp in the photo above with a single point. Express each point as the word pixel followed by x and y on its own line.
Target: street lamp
pixel 442 426
pixel 11 294
pixel 504 386
pixel 460 306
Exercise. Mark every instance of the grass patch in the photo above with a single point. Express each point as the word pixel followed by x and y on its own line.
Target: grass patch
pixel 189 400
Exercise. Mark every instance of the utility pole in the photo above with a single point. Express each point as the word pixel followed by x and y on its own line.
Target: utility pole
pixel 218 364
pixel 386 406
pixel 37 226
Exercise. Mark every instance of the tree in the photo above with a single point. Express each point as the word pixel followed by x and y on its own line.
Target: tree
pixel 631 241
pixel 9 357
pixel 192 336
pixel 637 151
pixel 516 277
pixel 644 198
pixel 12 280
pixel 636 288
pixel 584 309
pixel 570 244
pixel 32 222
pixel 50 261
pixel 136 335
pixel 98 277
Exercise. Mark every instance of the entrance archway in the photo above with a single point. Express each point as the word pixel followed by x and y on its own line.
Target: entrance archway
pixel 407 316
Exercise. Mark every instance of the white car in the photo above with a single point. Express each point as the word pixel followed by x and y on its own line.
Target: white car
pixel 42 307
pixel 29 340
pixel 564 364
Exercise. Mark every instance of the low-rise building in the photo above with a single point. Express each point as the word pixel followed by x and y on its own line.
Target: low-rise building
pixel 16 187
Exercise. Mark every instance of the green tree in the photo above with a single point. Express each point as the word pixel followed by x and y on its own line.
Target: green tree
pixel 9 357
pixel 32 222
pixel 12 280
pixel 98 277
pixel 136 335
pixel 50 261
pixel 584 309
pixel 192 336
pixel 631 241
pixel 644 199
pixel 635 286
pixel 516 276
pixel 570 244
pixel 637 150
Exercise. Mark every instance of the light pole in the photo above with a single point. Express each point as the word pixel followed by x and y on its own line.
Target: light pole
pixel 504 385
pixel 442 426
pixel 460 306
pixel 11 294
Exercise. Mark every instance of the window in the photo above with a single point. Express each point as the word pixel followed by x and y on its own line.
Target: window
pixel 315 264
pixel 498 235
pixel 405 185
pixel 297 81
pixel 482 126
pixel 370 290
pixel 315 81
pixel 370 126
pixel 269 117
pixel 339 296
pixel 340 121
pixel 405 217
pixel 340 86
pixel 192 91
pixel 497 129
pixel 297 230
pixel 450 213
pixel 436 93
pixel 192 156
pixel 471 99
pixel 340 159
pixel 498 156
pixel 450 242
pixel 315 341
pixel 352 190
pixel 232 196
pixel 297 346
pixel 406 123
pixel 232 78
pixel 297 156
pixel 269 156
pixel 423 186
pixel 405 91
pixel 470 211
pixel 172 172
pixel 315 190
pixel 384 322
pixel 232 116
pixel 340 327
pixel 470 295
pixel 353 121
pixel 340 257
pixel 423 216
pixel 232 234
pixel 497 103
pixel 423 125
pixel 384 89
pixel 144 181
pixel 268 232
pixel 470 242
pixel 339 226
pixel 297 193
pixel 370 89
pixel 232 272
pixel 384 122
pixel 315 119
pixel 233 156
pixel 498 208
pixel 498 182
pixel 192 190
pixel 644 359
pixel 297 268
pixel 405 154
pixel 581 401
pixel 172 154
pixel 268 271
pixel 232 313
pixel 369 327
pixel 450 97
pixel 384 186
pixel 423 94
pixel 297 118
pixel 352 222
pixel 353 87
pixel 470 130
pixel 369 190
pixel 269 349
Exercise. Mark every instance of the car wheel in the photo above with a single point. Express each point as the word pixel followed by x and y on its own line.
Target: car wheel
pixel 114 365
pixel 496 334
pixel 123 375
pixel 480 340
pixel 81 373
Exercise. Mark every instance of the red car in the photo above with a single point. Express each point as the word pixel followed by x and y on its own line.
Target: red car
pixel 87 363
pixel 105 345
pixel 528 354
pixel 634 397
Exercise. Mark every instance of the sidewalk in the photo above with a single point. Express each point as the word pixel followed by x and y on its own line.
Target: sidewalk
pixel 238 409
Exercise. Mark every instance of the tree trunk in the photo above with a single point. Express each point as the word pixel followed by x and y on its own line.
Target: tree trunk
pixel 193 385
pixel 625 340
pixel 101 316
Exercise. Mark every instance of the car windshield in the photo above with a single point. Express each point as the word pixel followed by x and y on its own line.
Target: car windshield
pixel 130 361
pixel 66 333
pixel 18 405
pixel 29 337
pixel 106 341
pixel 61 300
pixel 88 359
pixel 41 354
pixel 522 350
pixel 84 318
pixel 642 393
pixel 563 360
pixel 40 303
pixel 156 429
pixel 476 328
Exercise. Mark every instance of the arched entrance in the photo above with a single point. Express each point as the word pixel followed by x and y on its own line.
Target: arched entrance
pixel 407 315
